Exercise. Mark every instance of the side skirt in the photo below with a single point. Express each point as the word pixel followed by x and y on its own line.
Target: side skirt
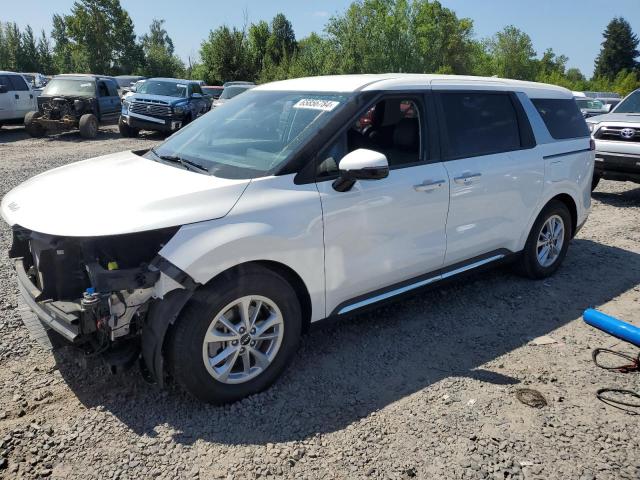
pixel 393 292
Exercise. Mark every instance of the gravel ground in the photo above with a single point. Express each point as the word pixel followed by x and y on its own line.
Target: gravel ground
pixel 425 388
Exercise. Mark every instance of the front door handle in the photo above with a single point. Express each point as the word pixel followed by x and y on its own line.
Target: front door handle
pixel 17 97
pixel 429 185
pixel 466 178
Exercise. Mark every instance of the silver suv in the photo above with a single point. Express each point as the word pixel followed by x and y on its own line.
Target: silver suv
pixel 617 136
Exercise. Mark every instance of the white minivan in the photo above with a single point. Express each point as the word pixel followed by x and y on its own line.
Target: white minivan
pixel 294 202
pixel 16 99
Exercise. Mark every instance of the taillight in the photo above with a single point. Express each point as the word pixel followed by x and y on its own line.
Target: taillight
pixel 592 144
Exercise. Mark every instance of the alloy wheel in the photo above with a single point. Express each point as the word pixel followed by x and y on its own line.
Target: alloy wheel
pixel 243 339
pixel 550 241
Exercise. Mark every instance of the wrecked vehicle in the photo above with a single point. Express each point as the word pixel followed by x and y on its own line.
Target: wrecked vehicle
pixel 70 102
pixel 222 244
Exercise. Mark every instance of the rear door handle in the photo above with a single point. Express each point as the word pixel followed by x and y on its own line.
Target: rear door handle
pixel 429 185
pixel 17 97
pixel 466 178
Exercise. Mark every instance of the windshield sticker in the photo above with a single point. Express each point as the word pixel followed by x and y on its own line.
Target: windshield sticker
pixel 83 85
pixel 180 85
pixel 315 104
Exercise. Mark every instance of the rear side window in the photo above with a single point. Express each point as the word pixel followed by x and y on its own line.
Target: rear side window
pixel 562 117
pixel 18 83
pixel 479 123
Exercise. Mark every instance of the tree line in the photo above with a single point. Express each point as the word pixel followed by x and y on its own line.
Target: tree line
pixel 370 36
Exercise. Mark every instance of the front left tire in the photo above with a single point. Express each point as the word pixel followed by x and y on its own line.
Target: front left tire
pixel 236 335
pixel 88 125
pixel 127 131
pixel 31 125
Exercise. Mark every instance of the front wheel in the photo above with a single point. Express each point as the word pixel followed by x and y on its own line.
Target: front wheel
pixel 236 336
pixel 32 126
pixel 88 125
pixel 127 131
pixel 547 243
pixel 595 181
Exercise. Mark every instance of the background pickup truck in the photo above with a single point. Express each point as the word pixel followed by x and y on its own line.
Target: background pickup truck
pixel 16 99
pixel 162 105
pixel 617 137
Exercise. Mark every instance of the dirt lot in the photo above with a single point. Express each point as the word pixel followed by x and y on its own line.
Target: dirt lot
pixel 421 389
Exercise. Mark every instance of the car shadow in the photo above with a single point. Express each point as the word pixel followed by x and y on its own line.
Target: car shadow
pixel 347 370
pixel 9 134
pixel 625 198
pixel 14 134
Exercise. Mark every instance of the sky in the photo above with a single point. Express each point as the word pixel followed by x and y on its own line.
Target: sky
pixel 570 27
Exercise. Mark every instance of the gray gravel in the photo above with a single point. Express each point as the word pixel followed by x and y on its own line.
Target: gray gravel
pixel 420 389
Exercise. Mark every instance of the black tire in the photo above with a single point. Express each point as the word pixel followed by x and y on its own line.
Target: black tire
pixel 126 130
pixel 31 125
pixel 185 343
pixel 528 263
pixel 595 181
pixel 187 120
pixel 88 125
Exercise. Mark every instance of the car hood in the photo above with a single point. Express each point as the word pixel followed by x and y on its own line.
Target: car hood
pixel 616 117
pixel 117 194
pixel 156 98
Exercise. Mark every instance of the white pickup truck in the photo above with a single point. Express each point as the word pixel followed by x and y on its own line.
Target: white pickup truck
pixel 16 99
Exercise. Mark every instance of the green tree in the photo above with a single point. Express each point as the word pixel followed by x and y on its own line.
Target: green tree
pixel 444 41
pixel 258 37
pixel 62 55
pixel 12 39
pixel 226 56
pixel 159 58
pixel 619 50
pixel 45 57
pixel 28 53
pixel 626 82
pixel 512 54
pixel 101 37
pixel 282 40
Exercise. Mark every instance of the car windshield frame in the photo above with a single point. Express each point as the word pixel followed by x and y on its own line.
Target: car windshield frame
pixel 150 84
pixel 256 135
pixel 71 87
pixel 631 104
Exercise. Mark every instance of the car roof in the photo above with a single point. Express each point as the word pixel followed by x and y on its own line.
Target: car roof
pixel 406 81
pixel 181 80
pixel 84 76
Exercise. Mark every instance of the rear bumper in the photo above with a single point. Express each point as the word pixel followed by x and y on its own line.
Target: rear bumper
pixel 143 122
pixel 617 166
pixel 57 316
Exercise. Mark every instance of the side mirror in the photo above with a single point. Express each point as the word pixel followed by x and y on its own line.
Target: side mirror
pixel 196 95
pixel 3 89
pixel 361 164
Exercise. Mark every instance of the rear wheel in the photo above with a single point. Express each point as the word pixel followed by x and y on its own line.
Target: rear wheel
pixel 32 126
pixel 126 130
pixel 548 242
pixel 595 181
pixel 236 336
pixel 88 125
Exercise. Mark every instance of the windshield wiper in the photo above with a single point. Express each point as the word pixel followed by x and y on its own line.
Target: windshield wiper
pixel 182 161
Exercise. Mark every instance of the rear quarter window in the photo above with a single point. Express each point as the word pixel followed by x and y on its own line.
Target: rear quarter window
pixel 562 117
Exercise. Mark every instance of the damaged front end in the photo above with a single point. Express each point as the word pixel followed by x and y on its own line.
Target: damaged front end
pixel 64 111
pixel 95 292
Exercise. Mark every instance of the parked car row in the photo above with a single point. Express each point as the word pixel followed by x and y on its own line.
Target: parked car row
pixel 84 102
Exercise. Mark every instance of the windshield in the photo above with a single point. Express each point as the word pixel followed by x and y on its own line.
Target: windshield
pixel 163 87
pixel 71 87
pixel 253 135
pixel 589 104
pixel 230 92
pixel 214 92
pixel 631 104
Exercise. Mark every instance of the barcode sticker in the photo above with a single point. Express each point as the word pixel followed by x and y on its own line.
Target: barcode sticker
pixel 315 104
